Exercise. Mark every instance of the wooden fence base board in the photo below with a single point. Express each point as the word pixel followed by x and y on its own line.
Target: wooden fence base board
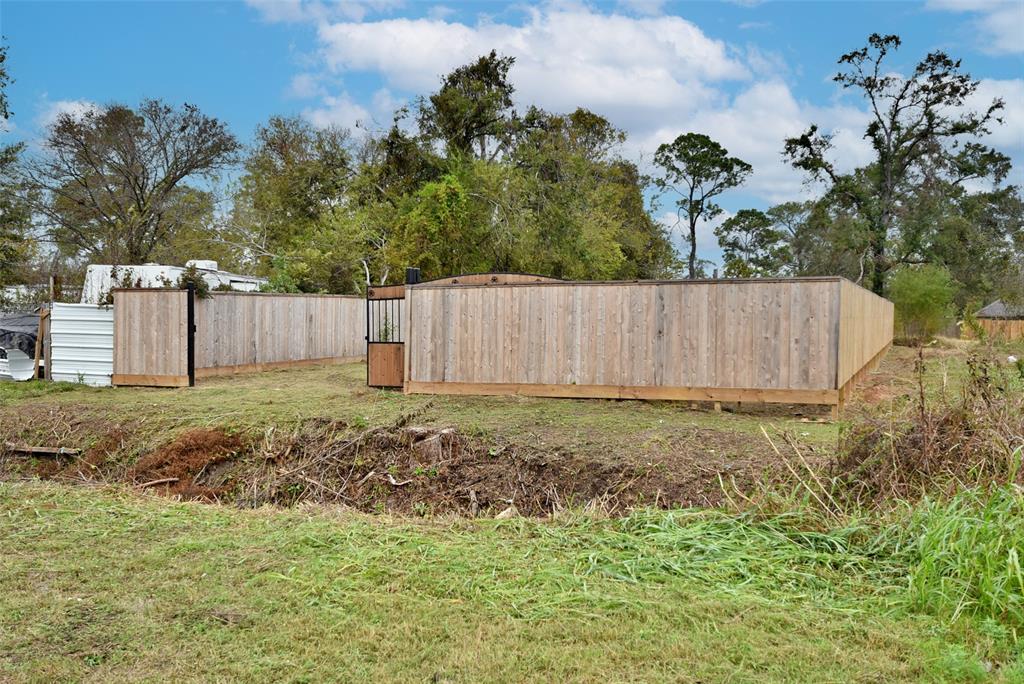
pixel 273 365
pixel 844 391
pixel 714 394
pixel 123 379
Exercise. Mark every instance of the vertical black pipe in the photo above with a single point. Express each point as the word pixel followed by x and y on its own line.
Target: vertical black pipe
pixel 190 326
pixel 367 337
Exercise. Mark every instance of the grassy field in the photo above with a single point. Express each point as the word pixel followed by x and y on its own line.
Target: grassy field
pixel 100 585
pixel 102 582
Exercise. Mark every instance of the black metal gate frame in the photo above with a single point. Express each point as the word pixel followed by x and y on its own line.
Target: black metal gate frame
pixel 412 276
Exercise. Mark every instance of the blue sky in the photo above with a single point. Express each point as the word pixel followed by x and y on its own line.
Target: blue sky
pixel 747 73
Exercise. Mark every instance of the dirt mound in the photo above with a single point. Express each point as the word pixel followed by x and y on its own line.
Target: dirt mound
pixel 422 470
pixel 408 469
pixel 187 466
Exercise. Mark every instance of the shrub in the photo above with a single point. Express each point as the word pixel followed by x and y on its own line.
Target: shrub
pixel 285 276
pixel 924 300
pixel 192 276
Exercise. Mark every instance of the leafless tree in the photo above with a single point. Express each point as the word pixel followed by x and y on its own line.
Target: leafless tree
pixel 113 183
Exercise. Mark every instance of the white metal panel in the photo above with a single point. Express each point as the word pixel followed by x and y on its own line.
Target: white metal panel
pixel 82 343
pixel 100 278
pixel 16 366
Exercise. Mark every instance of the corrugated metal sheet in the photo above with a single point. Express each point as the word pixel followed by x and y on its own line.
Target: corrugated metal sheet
pixel 15 365
pixel 82 343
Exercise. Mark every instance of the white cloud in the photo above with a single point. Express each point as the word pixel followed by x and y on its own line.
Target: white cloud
pixel 679 233
pixel 1009 136
pixel 338 110
pixel 305 86
pixel 753 126
pixel 281 10
pixel 294 11
pixel 651 8
pixel 1000 23
pixel 49 111
pixel 636 71
pixel 574 44
pixel 440 12
pixel 385 104
pixel 656 77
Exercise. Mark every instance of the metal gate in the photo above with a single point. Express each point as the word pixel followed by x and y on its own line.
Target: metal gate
pixel 385 334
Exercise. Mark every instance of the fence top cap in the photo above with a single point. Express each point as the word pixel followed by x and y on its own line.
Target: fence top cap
pixel 543 280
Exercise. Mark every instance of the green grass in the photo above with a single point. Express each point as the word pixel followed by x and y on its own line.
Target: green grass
pixel 99 585
pixel 968 558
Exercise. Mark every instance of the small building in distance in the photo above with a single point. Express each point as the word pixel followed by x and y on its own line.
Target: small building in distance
pixel 1002 321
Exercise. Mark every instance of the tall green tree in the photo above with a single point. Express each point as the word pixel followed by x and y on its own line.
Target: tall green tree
pixel 472 112
pixel 923 299
pixel 114 184
pixel 696 169
pixel 584 205
pixel 975 235
pixel 464 185
pixel 15 215
pixel 752 246
pixel 790 219
pixel 916 123
pixel 295 179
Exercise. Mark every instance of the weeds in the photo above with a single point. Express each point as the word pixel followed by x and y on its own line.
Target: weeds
pixel 944 444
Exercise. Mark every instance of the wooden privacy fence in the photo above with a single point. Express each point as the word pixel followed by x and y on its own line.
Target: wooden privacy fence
pixel 231 332
pixel 802 340
pixel 386 321
pixel 1002 329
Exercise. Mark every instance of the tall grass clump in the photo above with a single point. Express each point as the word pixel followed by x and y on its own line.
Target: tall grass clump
pixel 965 557
pixel 934 487
pixel 771 555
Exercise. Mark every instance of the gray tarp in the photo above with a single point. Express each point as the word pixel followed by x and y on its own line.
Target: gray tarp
pixel 18 331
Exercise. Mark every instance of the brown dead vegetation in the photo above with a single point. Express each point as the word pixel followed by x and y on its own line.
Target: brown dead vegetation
pixel 409 469
pixel 420 470
pixel 973 437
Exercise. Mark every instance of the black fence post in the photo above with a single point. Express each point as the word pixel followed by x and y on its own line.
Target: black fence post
pixel 190 326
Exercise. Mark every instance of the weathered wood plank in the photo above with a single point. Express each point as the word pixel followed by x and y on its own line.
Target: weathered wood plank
pixel 766 335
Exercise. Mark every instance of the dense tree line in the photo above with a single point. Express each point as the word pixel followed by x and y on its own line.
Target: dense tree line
pixel 462 181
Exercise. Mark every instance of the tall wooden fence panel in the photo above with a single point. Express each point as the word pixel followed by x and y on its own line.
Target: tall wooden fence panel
pixel 865 330
pixel 151 338
pixel 741 340
pixel 239 332
pixel 234 332
pixel 1002 329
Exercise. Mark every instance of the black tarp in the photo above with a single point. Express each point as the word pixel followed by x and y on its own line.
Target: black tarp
pixel 18 331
